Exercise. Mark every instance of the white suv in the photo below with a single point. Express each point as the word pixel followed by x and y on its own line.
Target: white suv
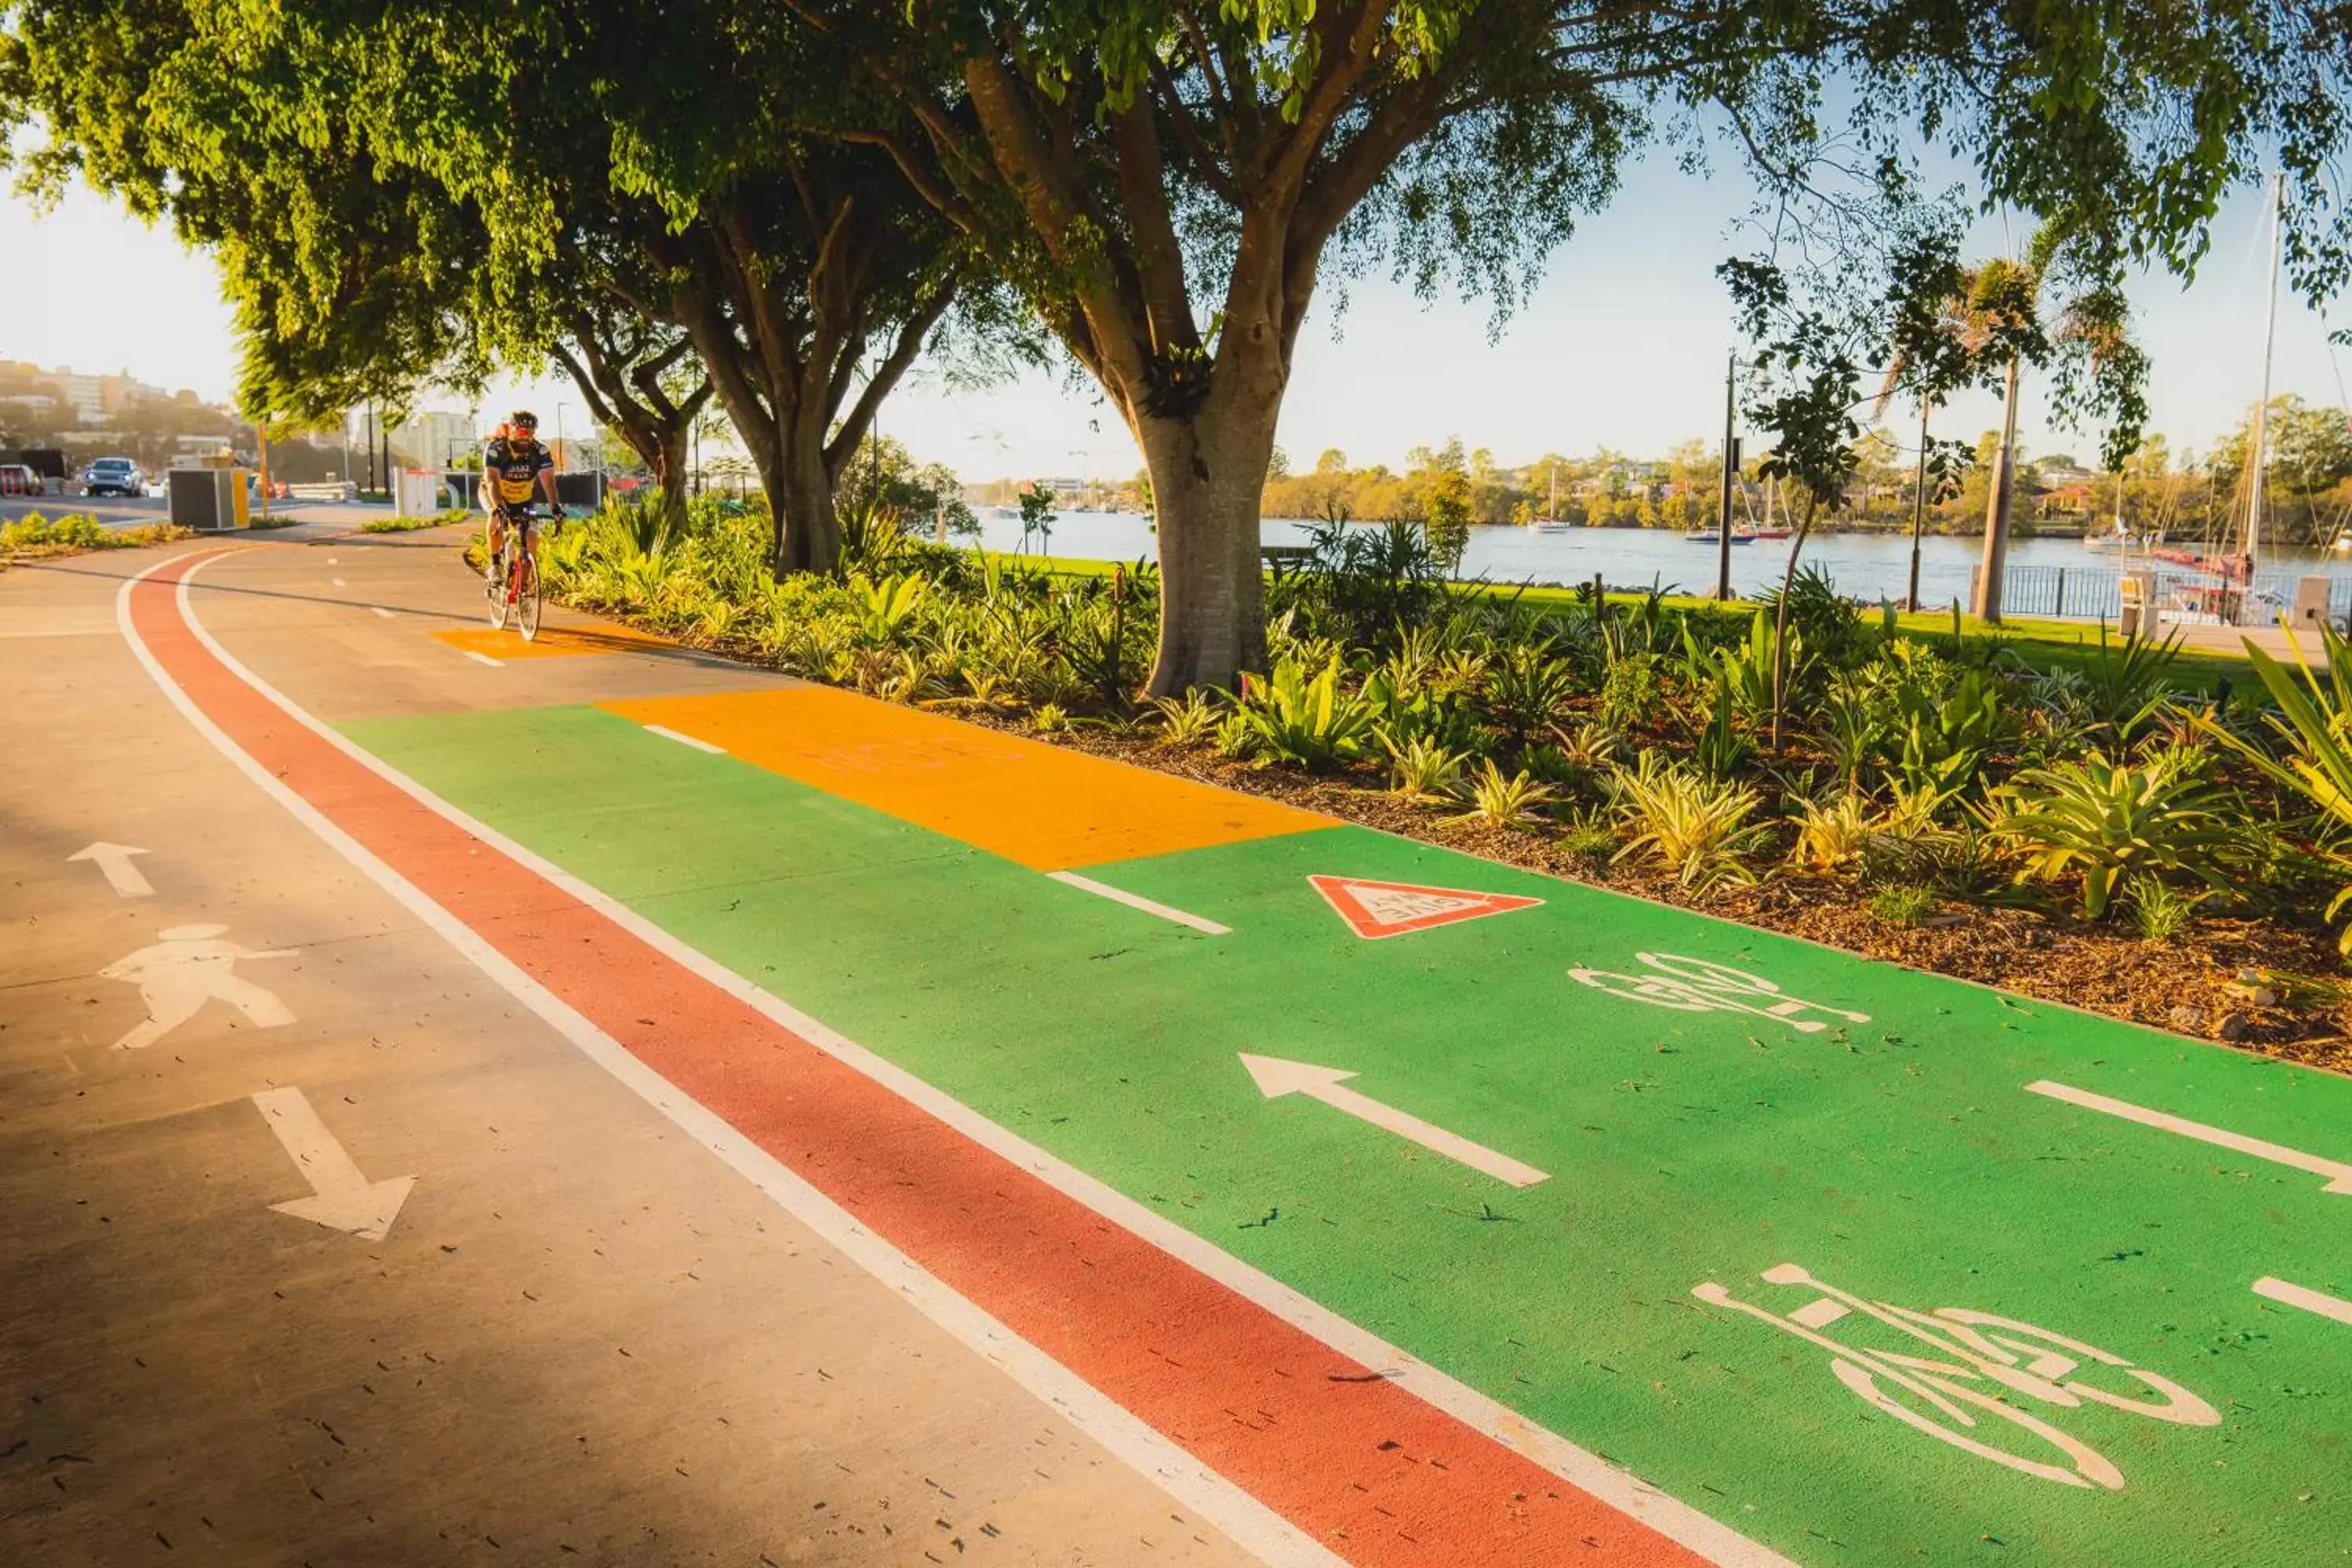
pixel 113 476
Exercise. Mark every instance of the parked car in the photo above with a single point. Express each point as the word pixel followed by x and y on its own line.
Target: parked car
pixel 16 479
pixel 113 476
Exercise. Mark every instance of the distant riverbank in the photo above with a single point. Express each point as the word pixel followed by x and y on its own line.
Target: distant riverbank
pixel 1864 565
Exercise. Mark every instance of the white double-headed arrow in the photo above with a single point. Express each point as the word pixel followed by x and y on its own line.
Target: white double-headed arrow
pixel 341 1198
pixel 114 859
pixel 2339 1174
pixel 1275 1078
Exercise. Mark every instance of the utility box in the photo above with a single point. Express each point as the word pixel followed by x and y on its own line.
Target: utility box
pixel 211 500
pixel 2136 591
pixel 2310 610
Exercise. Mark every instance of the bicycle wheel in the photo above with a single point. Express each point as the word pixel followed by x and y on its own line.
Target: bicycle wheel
pixel 502 587
pixel 1931 1404
pixel 527 597
pixel 494 582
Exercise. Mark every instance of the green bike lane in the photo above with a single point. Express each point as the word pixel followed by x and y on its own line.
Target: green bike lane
pixel 1896 1159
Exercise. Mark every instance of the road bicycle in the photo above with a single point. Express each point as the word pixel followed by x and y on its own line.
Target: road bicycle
pixel 510 582
pixel 1965 1393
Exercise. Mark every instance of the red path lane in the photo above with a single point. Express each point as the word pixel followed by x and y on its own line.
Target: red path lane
pixel 1357 1463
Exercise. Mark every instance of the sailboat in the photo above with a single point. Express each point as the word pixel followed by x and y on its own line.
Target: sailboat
pixel 2235 600
pixel 1550 522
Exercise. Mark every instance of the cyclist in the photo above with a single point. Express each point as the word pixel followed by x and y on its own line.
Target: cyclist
pixel 514 465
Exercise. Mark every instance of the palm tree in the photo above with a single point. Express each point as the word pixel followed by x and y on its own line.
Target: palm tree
pixel 1956 325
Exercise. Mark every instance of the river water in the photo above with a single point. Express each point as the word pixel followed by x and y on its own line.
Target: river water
pixel 1865 566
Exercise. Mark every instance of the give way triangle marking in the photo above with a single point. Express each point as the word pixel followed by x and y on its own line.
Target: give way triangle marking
pixel 1375 909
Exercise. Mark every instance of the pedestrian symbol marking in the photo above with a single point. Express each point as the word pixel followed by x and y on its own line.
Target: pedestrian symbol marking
pixel 1945 1394
pixel 188 968
pixel 1375 909
pixel 1698 985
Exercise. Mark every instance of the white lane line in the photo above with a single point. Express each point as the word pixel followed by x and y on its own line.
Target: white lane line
pixel 483 658
pixel 1137 901
pixel 669 734
pixel 2303 1296
pixel 337 581
pixel 380 610
pixel 2339 1174
pixel 1249 1522
pixel 1221 1502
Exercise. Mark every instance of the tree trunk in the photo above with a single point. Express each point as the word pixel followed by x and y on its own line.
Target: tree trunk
pixel 1208 473
pixel 800 499
pixel 1781 618
pixel 1995 566
pixel 668 461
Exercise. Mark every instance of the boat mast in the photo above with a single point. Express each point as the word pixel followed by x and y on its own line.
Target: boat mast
pixel 2259 446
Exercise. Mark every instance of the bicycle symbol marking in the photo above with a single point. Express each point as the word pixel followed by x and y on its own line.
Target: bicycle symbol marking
pixel 1947 1396
pixel 1699 985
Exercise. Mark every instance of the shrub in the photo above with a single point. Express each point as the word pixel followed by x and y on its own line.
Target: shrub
pixel 78 531
pixel 1632 692
pixel 1499 802
pixel 1313 723
pixel 1695 827
pixel 2126 684
pixel 1834 836
pixel 2108 823
pixel 2314 722
pixel 1526 690
pixel 1589 837
pixel 1189 721
pixel 1902 903
pixel 2159 913
pixel 1422 770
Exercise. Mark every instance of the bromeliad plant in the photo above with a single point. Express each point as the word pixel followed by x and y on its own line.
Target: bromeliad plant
pixel 1314 721
pixel 2106 823
pixel 1695 827
pixel 2313 722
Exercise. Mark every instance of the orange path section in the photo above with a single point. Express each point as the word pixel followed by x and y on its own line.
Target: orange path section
pixel 552 642
pixel 1035 804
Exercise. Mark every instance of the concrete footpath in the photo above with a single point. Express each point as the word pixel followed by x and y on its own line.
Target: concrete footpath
pixel 317 1248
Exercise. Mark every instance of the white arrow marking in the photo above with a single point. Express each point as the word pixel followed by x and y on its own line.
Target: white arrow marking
pixel 2339 1174
pixel 114 859
pixel 1276 1077
pixel 380 610
pixel 482 658
pixel 342 1199
pixel 2303 1296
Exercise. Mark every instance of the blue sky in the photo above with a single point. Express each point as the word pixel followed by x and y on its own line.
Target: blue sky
pixel 1620 346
